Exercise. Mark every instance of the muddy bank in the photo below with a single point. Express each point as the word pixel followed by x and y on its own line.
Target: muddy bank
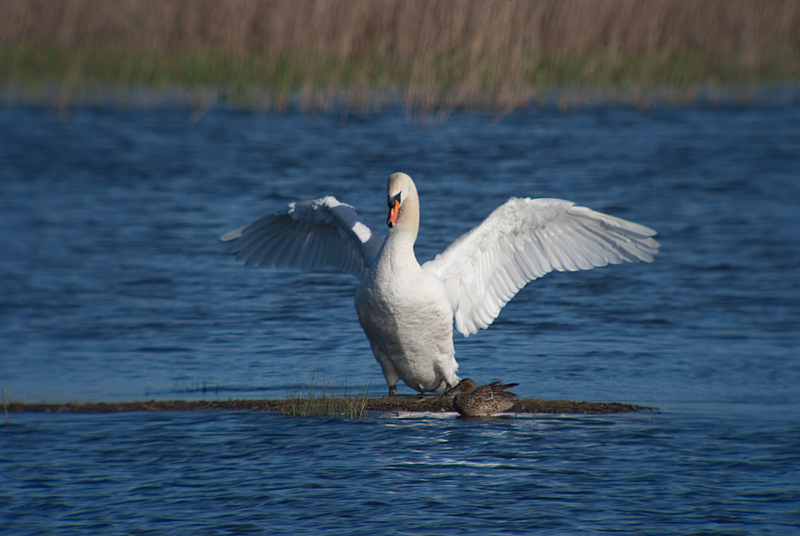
pixel 397 403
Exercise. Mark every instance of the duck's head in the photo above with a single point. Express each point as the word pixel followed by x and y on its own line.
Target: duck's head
pixel 465 386
pixel 401 190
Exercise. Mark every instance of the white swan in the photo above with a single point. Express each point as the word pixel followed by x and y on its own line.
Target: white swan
pixel 407 310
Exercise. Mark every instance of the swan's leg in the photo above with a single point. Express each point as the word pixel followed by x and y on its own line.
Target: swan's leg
pixel 391 375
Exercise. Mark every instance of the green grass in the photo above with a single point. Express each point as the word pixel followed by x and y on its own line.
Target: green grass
pixel 316 402
pixel 260 80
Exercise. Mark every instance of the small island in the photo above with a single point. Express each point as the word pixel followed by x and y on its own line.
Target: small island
pixel 352 407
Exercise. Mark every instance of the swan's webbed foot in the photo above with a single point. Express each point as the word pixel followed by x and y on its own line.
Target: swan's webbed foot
pixel 392 390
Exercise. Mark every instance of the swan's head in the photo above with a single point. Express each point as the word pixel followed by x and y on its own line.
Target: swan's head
pixel 401 188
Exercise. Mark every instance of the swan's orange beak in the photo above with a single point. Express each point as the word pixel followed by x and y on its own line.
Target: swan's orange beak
pixel 394 210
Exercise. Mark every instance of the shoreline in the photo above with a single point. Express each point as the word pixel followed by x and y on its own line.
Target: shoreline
pixel 198 101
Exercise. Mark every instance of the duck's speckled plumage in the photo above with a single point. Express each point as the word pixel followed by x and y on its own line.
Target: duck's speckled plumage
pixel 474 401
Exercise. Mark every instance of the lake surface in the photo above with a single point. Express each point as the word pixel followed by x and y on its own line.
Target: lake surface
pixel 114 286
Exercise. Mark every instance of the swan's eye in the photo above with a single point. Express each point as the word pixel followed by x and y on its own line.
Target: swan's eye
pixel 393 200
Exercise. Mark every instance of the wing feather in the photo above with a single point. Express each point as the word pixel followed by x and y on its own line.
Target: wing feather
pixel 314 253
pixel 595 254
pixel 321 233
pixel 524 239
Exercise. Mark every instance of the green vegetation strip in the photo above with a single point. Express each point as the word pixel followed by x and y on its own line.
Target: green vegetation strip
pixel 352 407
pixel 263 81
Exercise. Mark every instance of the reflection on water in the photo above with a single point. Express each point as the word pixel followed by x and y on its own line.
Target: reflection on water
pixel 114 286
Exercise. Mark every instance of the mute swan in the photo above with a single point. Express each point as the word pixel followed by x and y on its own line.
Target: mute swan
pixel 474 401
pixel 406 310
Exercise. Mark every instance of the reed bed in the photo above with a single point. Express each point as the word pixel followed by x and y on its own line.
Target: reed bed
pixel 445 53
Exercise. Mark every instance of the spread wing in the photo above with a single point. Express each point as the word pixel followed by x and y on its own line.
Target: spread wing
pixel 322 233
pixel 524 239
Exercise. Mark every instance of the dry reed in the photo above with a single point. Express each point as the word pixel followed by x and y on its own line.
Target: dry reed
pixel 498 53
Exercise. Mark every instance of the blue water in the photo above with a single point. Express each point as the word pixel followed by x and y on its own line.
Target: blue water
pixel 114 286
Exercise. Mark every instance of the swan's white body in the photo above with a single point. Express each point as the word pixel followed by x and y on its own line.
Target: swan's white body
pixel 406 310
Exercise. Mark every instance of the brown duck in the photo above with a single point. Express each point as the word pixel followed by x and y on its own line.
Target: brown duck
pixel 474 401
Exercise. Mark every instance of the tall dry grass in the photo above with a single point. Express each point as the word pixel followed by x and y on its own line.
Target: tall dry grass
pixel 445 52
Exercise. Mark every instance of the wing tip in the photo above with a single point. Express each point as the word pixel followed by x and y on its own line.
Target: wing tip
pixel 233 235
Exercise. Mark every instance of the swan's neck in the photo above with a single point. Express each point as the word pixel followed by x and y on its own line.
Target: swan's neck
pixel 399 245
pixel 408 218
